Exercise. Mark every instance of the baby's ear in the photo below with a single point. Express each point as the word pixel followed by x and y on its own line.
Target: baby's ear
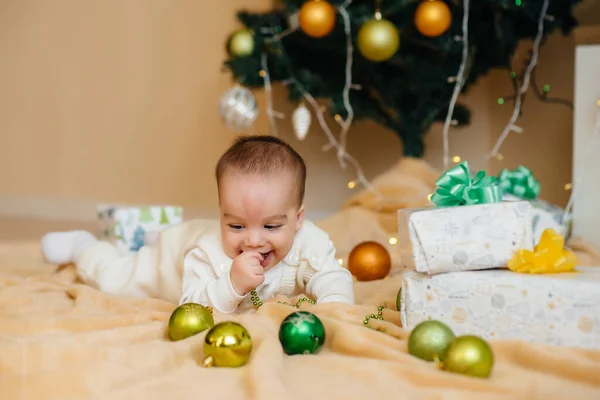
pixel 300 218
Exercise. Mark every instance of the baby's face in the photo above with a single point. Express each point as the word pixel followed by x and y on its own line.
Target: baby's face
pixel 259 213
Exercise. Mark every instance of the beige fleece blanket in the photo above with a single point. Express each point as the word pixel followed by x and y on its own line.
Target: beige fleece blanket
pixel 62 340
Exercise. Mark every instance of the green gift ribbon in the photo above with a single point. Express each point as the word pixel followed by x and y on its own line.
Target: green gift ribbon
pixel 519 182
pixel 457 188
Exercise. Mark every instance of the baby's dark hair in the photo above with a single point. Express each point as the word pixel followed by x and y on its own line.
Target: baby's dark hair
pixel 264 155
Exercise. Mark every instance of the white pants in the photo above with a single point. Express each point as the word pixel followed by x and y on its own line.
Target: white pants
pixel 155 271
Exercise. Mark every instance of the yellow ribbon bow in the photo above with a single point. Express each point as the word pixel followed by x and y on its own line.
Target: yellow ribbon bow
pixel 549 256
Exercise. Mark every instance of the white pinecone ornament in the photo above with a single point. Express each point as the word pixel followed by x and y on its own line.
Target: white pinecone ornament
pixel 301 121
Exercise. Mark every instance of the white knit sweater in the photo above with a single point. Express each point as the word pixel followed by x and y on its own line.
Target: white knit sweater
pixel 310 267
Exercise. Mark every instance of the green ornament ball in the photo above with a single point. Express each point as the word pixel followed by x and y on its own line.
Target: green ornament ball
pixel 469 355
pixel 429 340
pixel 399 299
pixel 189 319
pixel 241 43
pixel 301 332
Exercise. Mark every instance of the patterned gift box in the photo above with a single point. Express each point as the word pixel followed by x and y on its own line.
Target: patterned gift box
pixel 558 309
pixel 131 227
pixel 475 237
pixel 545 216
pixel 520 184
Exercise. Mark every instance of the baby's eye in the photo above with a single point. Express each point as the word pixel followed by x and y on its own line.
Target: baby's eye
pixel 233 226
pixel 272 227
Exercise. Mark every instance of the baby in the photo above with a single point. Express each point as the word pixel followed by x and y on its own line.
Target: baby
pixel 261 243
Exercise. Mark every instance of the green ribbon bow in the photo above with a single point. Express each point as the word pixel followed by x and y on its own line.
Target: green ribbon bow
pixel 457 188
pixel 519 182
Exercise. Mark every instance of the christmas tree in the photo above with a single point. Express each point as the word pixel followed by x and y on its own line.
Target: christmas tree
pixel 395 62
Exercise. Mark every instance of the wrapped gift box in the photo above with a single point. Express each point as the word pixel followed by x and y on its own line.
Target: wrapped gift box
pixel 475 237
pixel 558 309
pixel 131 227
pixel 545 216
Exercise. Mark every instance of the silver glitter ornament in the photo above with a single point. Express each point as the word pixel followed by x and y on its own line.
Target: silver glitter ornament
pixel 238 108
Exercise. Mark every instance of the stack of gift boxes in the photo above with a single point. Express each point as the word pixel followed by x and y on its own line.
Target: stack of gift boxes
pixel 488 259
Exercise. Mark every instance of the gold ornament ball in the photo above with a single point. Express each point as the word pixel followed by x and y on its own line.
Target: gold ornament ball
pixel 241 43
pixel 430 340
pixel 227 344
pixel 433 18
pixel 316 18
pixel 378 40
pixel 469 355
pixel 369 261
pixel 189 319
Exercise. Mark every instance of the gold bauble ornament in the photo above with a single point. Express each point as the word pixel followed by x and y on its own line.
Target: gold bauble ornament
pixel 189 319
pixel 241 43
pixel 469 355
pixel 433 18
pixel 378 40
pixel 316 18
pixel 227 344
pixel 430 340
pixel 369 261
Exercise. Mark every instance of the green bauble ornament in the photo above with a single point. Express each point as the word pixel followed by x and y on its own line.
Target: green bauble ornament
pixel 429 340
pixel 227 344
pixel 469 355
pixel 301 333
pixel 189 319
pixel 399 299
pixel 241 43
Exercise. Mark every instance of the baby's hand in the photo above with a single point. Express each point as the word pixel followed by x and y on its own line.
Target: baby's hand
pixel 246 272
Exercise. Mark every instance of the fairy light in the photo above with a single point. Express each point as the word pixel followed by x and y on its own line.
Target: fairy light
pixel 456 159
pixel 459 81
pixel 393 240
pixel 510 127
pixel 271 114
pixel 341 261
pixel 351 185
pixel 568 186
pixel 345 124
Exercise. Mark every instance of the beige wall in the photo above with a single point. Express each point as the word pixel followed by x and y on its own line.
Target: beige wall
pixel 117 101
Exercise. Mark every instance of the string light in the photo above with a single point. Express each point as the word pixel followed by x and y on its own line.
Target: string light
pixel 341 261
pixel 517 109
pixel 351 185
pixel 568 186
pixel 347 83
pixel 541 94
pixel 459 81
pixel 393 240
pixel 456 159
pixel 271 114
